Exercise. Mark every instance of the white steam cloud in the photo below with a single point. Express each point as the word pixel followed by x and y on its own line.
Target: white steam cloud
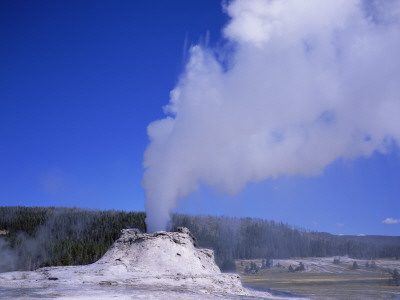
pixel 302 84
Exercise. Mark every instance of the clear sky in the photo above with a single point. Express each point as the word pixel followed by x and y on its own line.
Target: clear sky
pixel 80 81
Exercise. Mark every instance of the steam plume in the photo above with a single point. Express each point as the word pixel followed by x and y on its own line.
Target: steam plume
pixel 308 82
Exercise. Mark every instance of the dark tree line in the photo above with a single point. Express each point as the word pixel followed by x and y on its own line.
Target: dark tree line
pixel 247 238
pixel 48 236
pixel 32 237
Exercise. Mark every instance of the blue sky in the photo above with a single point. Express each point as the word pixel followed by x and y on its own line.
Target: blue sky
pixel 81 81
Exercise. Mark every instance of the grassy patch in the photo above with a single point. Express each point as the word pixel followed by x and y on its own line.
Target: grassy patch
pixel 321 281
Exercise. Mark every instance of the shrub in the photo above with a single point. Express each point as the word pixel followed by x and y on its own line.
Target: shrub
pixel 354 266
pixel 336 261
pixel 300 267
pixel 396 277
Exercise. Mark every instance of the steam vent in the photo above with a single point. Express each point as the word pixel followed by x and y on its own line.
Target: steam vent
pixel 162 265
pixel 171 258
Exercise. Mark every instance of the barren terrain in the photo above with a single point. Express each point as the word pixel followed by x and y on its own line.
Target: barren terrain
pixel 163 265
pixel 323 279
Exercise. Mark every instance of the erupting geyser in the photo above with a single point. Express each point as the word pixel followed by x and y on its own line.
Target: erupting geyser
pixel 296 86
pixel 163 265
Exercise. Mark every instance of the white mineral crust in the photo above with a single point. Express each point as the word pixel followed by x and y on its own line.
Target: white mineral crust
pixel 162 265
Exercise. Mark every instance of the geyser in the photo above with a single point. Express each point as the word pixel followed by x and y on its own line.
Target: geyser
pixel 163 265
pixel 308 82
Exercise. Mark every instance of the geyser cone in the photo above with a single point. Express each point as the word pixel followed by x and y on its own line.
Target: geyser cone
pixel 169 253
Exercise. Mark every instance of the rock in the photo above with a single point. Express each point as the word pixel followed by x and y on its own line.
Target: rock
pixel 160 253
pixel 184 230
pixel 162 261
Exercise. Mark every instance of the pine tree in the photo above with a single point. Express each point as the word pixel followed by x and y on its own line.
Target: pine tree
pixel 396 277
pixel 354 266
pixel 300 267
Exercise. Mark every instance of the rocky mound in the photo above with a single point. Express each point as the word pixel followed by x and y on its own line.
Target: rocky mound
pixel 160 253
pixel 159 262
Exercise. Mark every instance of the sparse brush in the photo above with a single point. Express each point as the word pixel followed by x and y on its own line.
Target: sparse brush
pixel 336 261
pixel 396 277
pixel 354 266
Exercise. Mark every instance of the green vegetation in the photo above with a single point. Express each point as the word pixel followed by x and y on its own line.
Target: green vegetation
pixel 31 237
pixel 38 236
pixel 354 266
pixel 336 260
pixel 299 268
pixel 247 238
pixel 396 277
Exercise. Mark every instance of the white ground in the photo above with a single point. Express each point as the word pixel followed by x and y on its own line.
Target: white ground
pixel 162 265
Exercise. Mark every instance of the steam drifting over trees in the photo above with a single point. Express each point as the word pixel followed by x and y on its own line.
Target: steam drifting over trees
pixel 38 236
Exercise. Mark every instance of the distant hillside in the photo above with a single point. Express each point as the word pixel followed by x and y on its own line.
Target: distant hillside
pixel 247 238
pixel 374 239
pixel 31 237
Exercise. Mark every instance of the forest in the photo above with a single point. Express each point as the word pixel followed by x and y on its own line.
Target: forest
pixel 32 237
